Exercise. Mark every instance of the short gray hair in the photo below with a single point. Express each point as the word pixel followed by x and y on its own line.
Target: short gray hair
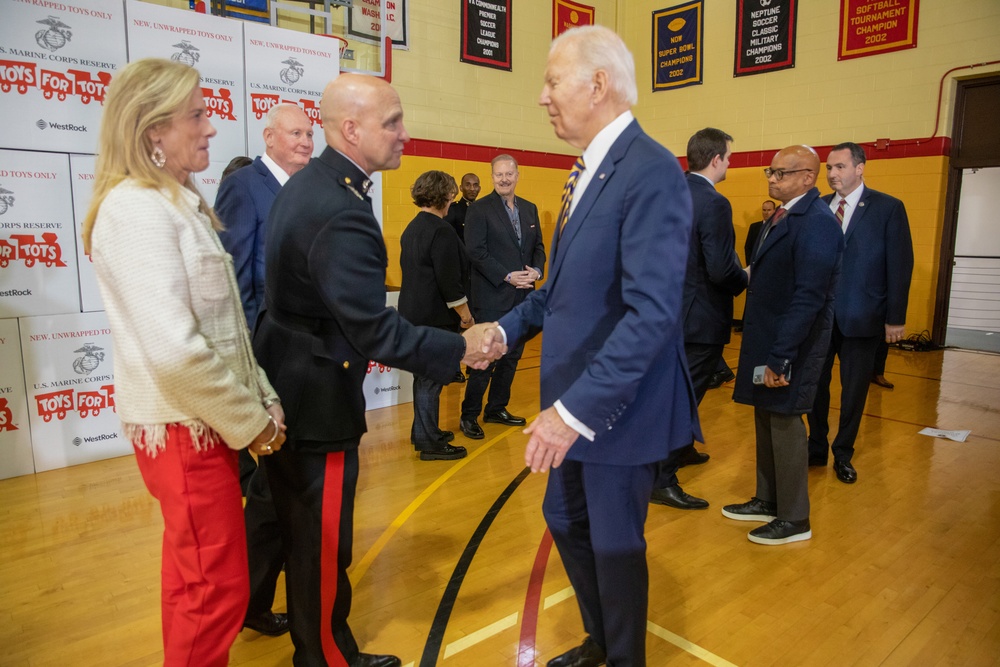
pixel 596 48
pixel 272 113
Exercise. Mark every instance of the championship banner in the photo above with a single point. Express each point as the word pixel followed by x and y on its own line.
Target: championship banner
pixel 384 385
pixel 81 169
pixel 37 236
pixel 70 387
pixel 486 33
pixel 15 433
pixel 677 40
pixel 211 45
pixel 765 36
pixel 364 20
pixel 567 14
pixel 869 27
pixel 56 60
pixel 286 66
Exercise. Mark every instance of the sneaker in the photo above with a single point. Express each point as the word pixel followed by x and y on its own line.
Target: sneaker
pixel 780 531
pixel 755 510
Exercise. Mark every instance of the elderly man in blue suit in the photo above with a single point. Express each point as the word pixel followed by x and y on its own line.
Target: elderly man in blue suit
pixel 786 332
pixel 244 199
pixel 615 391
pixel 871 301
pixel 243 204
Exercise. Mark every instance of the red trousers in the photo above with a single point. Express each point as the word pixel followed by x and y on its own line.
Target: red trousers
pixel 205 579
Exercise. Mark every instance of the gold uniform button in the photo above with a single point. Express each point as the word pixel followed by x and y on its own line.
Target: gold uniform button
pixel 347 364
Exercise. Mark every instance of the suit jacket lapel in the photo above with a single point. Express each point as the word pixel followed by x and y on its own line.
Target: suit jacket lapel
pixel 269 179
pixel 858 214
pixel 500 209
pixel 596 185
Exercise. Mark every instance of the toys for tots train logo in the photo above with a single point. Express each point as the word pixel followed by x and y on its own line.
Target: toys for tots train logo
pixel 22 75
pixel 59 397
pixel 6 416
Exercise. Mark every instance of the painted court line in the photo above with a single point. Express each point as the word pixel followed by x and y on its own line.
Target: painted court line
pixel 556 598
pixel 361 569
pixel 480 635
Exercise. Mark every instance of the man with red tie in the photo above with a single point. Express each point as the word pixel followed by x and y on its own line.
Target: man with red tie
pixel 871 300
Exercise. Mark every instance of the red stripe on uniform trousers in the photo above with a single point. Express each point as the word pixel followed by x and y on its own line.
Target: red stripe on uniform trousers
pixel 333 492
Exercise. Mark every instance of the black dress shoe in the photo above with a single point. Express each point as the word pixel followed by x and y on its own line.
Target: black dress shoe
pixel 504 417
pixel 372 660
pixel 459 377
pixel 692 457
pixel 882 382
pixel 446 436
pixel 587 654
pixel 674 496
pixel 845 472
pixel 720 378
pixel 440 451
pixel 272 625
pixel 471 429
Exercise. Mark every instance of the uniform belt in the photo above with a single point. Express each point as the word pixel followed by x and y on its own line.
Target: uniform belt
pixel 300 322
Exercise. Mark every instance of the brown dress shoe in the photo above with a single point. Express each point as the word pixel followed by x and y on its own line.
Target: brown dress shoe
pixel 882 382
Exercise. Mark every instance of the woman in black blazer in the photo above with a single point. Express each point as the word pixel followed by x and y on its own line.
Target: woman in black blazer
pixel 433 293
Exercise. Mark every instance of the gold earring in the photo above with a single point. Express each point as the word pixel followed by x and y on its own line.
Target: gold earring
pixel 158 157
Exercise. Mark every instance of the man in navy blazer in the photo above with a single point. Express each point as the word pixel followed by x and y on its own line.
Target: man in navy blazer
pixel 714 276
pixel 503 237
pixel 786 332
pixel 616 397
pixel 871 300
pixel 244 199
pixel 243 205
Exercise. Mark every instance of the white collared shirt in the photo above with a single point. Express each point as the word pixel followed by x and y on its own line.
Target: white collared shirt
pixel 595 153
pixel 280 174
pixel 852 204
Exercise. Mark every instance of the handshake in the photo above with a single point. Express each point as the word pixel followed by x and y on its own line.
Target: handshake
pixel 483 345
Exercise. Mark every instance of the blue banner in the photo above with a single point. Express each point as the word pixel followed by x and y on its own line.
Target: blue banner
pixel 677 38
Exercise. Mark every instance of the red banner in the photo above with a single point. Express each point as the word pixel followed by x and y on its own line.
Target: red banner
pixel 567 14
pixel 870 27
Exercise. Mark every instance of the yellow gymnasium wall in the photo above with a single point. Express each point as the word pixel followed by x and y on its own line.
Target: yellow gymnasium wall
pixel 819 102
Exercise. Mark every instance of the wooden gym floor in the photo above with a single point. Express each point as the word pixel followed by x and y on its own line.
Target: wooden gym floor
pixel 453 567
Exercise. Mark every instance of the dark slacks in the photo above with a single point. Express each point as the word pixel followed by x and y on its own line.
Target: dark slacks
pixel 314 498
pixel 782 463
pixel 703 362
pixel 596 514
pixel 265 547
pixel 499 376
pixel 426 408
pixel 857 359
pixel 881 354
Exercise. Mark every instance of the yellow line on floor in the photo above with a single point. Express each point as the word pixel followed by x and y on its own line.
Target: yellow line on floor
pixel 556 598
pixel 361 568
pixel 685 645
pixel 474 638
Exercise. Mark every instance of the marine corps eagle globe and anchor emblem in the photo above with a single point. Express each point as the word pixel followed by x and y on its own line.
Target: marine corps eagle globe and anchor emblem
pixel 293 72
pixel 188 53
pixel 91 359
pixel 55 37
pixel 6 199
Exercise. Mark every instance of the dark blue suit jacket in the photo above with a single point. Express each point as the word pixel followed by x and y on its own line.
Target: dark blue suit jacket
pixel 878 263
pixel 789 311
pixel 613 350
pixel 243 204
pixel 714 273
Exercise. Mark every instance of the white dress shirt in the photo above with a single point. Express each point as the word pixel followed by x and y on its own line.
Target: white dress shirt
pixel 277 171
pixel 850 206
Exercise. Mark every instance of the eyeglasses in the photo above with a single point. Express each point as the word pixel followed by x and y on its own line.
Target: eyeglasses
pixel 780 173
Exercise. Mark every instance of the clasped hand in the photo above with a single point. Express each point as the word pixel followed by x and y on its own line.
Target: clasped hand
pixel 524 279
pixel 483 345
pixel 272 437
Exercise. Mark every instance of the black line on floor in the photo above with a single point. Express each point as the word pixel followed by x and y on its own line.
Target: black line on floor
pixel 436 634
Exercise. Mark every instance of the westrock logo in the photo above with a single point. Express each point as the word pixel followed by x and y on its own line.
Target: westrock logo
pixel 55 37
pixel 6 199
pixel 91 359
pixel 70 127
pixel 379 390
pixel 188 53
pixel 293 72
